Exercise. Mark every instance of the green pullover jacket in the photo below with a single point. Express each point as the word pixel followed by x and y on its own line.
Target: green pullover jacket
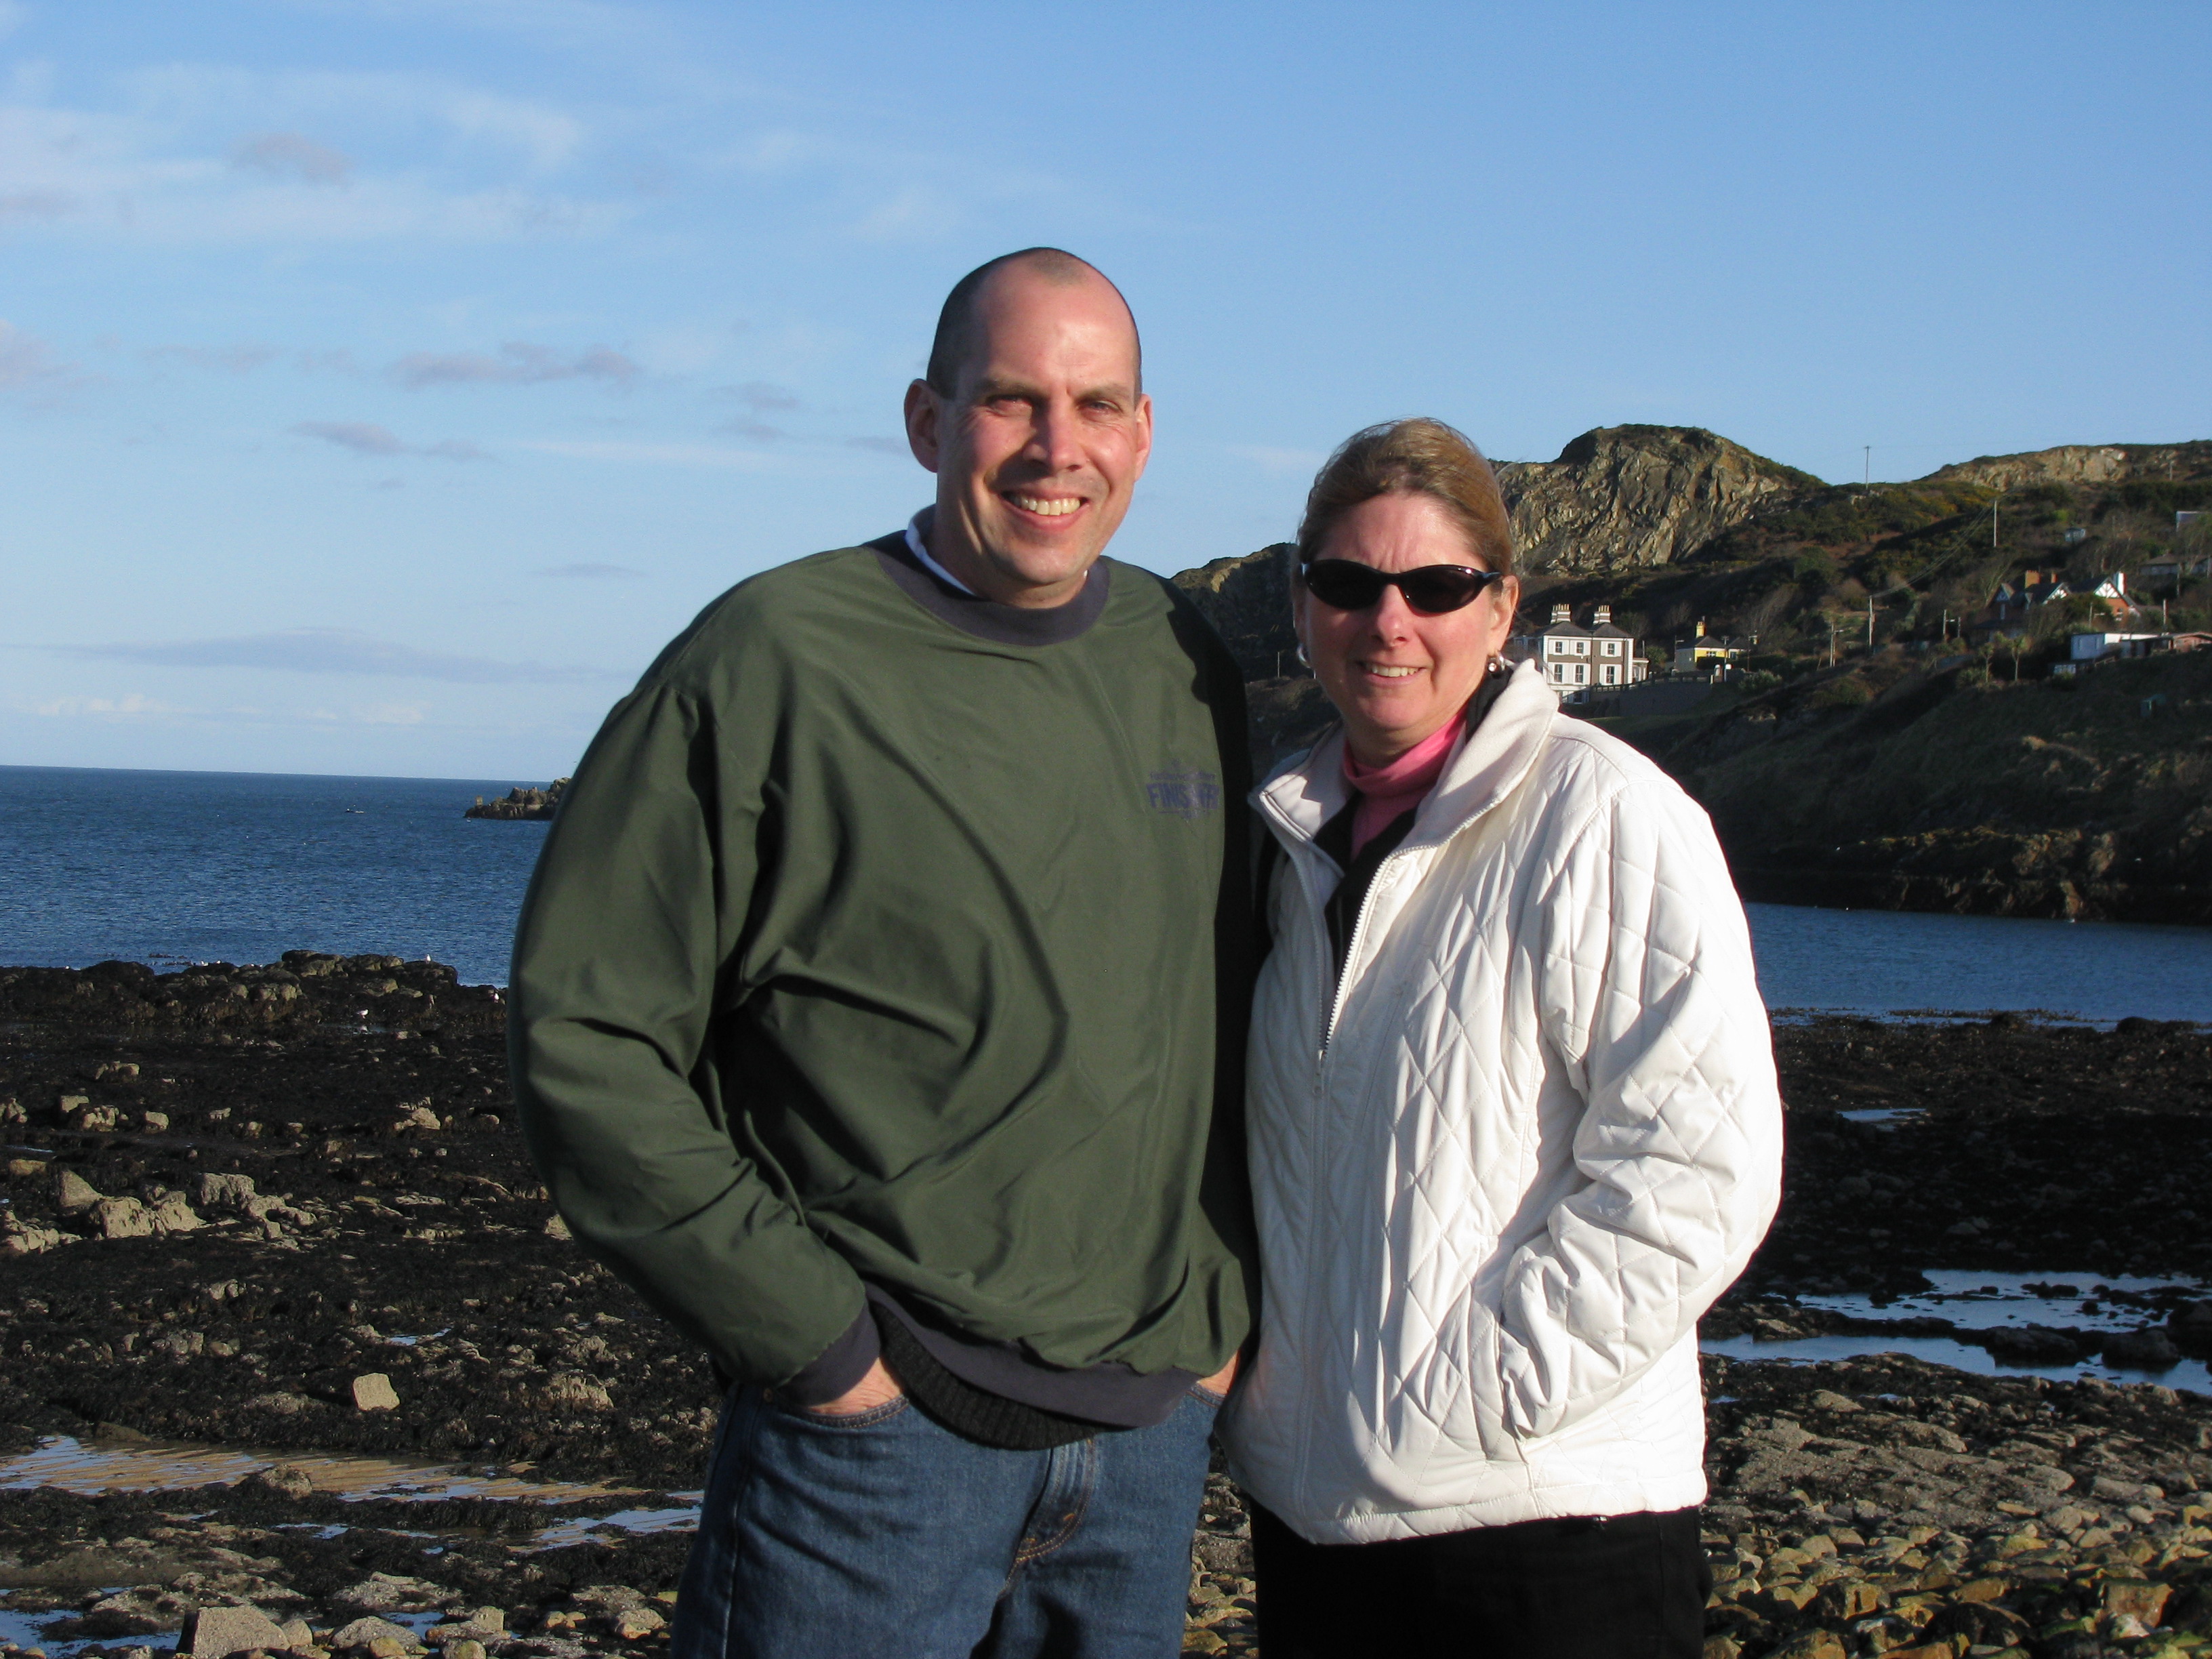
pixel 890 937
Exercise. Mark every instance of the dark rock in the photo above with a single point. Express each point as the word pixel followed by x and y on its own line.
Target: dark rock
pixel 2150 1349
pixel 2028 1344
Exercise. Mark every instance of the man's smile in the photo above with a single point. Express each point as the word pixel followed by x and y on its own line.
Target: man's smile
pixel 1045 507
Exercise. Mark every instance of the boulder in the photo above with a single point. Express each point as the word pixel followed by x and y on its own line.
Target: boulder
pixel 636 1623
pixel 73 1193
pixel 368 1632
pixel 173 1215
pixel 285 1480
pixel 123 1218
pixel 225 1192
pixel 215 1632
pixel 373 1392
pixel 2143 1598
pixel 573 1391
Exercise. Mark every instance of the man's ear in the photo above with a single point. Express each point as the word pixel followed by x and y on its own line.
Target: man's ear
pixel 925 410
pixel 1143 431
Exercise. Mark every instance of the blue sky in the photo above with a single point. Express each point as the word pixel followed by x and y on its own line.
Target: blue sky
pixel 381 383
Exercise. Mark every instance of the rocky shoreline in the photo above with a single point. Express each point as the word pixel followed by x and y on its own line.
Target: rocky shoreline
pixel 283 1211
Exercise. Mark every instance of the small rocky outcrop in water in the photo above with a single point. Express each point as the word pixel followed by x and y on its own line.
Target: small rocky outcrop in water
pixel 520 803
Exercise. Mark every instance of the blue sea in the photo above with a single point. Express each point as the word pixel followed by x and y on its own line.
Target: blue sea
pixel 174 867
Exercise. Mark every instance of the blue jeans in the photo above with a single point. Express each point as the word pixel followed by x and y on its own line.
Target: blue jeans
pixel 882 1534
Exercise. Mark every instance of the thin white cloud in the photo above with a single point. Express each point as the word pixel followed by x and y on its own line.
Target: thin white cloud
pixel 133 706
pixel 594 573
pixel 367 438
pixel 231 360
pixel 744 461
pixel 35 205
pixel 163 162
pixel 762 397
pixel 882 193
pixel 291 155
pixel 518 363
pixel 914 210
pixel 331 651
pixel 1271 459
pixel 31 371
pixel 759 397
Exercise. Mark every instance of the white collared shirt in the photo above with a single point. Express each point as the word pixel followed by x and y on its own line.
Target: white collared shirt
pixel 914 545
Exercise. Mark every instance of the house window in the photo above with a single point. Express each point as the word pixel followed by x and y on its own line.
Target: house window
pixel 1608 674
pixel 1580 673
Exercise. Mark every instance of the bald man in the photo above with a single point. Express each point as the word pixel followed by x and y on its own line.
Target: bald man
pixel 876 1012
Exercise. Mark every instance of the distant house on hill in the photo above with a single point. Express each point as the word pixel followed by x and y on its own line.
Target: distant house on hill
pixel 2012 606
pixel 2099 647
pixel 2170 569
pixel 1703 652
pixel 1576 660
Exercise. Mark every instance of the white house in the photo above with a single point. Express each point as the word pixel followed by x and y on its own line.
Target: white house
pixel 1579 661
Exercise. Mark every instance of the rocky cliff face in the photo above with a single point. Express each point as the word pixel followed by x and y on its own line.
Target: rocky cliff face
pixel 1623 495
pixel 2082 464
pixel 1247 600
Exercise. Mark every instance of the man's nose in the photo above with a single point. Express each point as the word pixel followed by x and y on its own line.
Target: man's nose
pixel 1057 439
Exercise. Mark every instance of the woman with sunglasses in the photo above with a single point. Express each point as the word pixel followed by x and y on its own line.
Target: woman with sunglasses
pixel 1513 1120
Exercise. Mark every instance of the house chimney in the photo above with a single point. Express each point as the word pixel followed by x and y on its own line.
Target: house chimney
pixel 1604 616
pixel 2120 583
pixel 1560 614
pixel 2030 577
pixel 1701 627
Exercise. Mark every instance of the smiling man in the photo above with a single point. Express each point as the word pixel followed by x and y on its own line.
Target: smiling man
pixel 878 1005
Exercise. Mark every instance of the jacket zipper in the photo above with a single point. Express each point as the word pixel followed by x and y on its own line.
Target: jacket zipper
pixel 1351 950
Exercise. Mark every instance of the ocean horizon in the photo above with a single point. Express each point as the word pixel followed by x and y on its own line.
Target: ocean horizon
pixel 175 867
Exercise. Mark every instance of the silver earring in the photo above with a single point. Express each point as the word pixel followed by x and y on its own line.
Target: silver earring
pixel 1304 659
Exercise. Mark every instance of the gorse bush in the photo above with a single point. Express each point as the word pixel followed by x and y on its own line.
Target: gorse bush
pixel 1842 694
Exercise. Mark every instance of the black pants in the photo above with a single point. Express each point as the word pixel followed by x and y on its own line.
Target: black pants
pixel 1630 1587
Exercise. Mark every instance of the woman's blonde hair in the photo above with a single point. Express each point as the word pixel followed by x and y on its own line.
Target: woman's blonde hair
pixel 1415 457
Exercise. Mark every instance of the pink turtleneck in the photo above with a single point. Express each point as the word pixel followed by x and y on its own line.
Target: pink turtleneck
pixel 1398 786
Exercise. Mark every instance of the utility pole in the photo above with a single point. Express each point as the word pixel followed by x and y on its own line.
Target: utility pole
pixel 1866 487
pixel 1869 622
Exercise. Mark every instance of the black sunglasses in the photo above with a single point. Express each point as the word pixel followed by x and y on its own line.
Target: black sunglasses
pixel 1432 590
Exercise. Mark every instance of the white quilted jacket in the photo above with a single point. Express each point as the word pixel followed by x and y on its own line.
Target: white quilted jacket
pixel 1505 1165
